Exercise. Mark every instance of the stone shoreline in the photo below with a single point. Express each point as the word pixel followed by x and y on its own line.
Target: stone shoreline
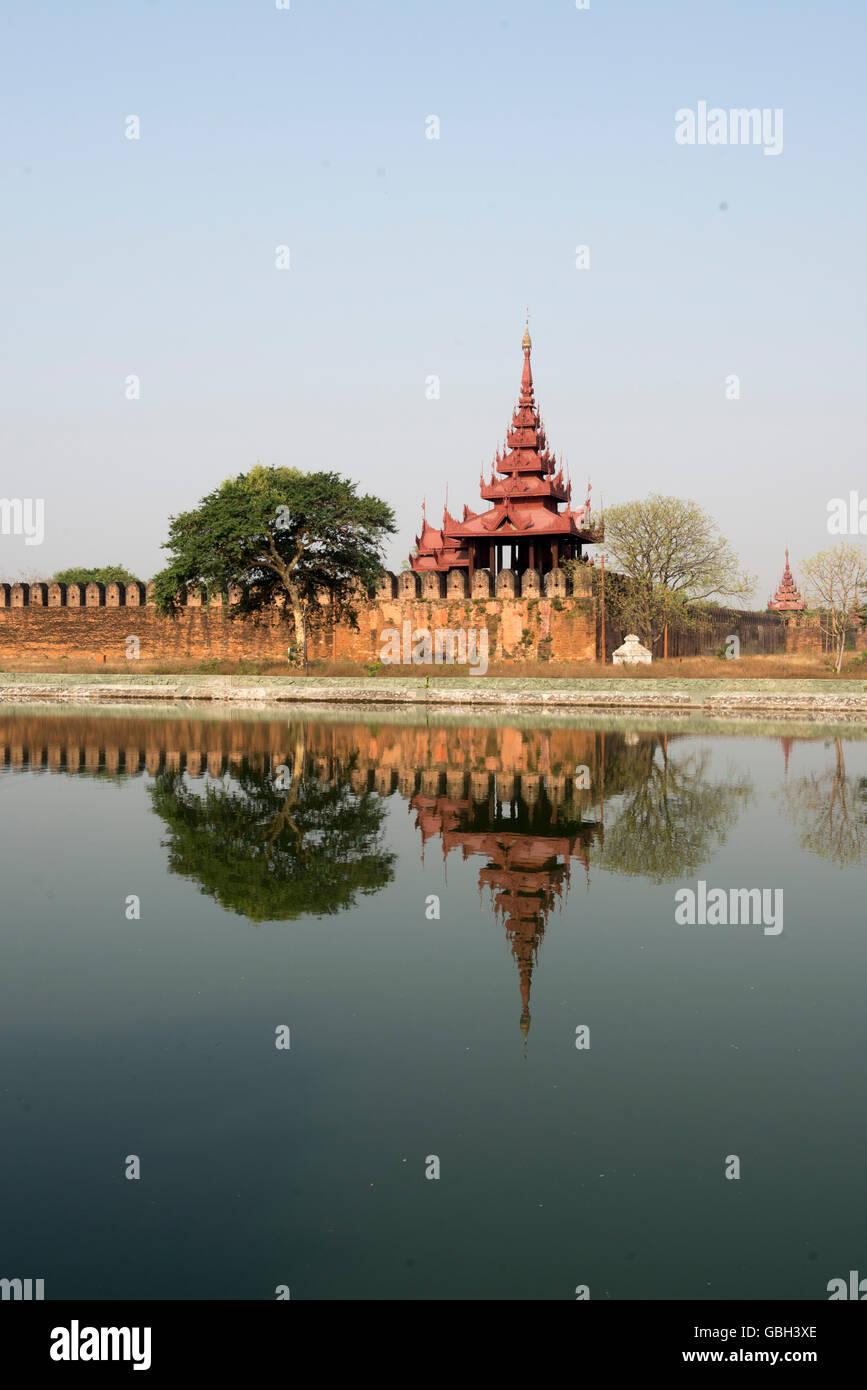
pixel 730 697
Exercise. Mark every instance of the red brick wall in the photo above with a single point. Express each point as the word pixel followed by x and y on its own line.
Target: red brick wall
pixel 556 629
pixel 99 635
pixel 518 629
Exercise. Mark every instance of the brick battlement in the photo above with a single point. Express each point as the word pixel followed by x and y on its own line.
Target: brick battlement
pixel 527 617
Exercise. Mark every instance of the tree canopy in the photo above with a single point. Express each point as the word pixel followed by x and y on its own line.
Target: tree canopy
pixel 309 541
pixel 674 559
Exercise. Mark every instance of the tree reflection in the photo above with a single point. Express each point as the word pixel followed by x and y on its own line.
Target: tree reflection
pixel 275 846
pixel 673 818
pixel 829 812
pixel 529 804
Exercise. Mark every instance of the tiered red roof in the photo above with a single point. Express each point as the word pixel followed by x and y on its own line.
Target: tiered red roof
pixel 527 498
pixel 787 599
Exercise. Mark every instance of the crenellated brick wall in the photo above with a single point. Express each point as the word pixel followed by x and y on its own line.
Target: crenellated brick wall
pixel 526 618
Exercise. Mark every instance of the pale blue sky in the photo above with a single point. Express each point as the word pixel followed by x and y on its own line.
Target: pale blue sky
pixel 412 257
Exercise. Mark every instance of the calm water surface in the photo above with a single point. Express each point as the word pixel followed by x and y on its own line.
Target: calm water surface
pixel 431 906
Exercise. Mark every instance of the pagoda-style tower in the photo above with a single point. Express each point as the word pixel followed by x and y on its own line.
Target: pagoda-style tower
pixel 526 519
pixel 787 599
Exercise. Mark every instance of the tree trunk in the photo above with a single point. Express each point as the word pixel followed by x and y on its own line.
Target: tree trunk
pixel 300 625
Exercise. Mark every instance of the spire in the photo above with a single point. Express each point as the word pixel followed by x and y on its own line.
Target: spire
pixel 527 375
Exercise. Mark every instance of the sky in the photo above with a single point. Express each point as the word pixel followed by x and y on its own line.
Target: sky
pixel 411 257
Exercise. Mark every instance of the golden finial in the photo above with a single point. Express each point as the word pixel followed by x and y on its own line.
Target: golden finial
pixel 527 341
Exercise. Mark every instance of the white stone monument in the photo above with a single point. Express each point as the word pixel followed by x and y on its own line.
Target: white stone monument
pixel 631 653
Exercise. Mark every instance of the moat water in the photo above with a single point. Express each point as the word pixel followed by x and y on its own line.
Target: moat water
pixel 510 1065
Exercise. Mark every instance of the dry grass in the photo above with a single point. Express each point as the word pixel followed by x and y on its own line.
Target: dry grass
pixel 686 668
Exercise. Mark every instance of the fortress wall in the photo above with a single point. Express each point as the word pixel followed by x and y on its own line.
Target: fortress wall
pixel 99 635
pixel 529 618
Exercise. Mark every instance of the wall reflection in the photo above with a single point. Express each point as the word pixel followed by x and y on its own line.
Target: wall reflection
pixel 278 818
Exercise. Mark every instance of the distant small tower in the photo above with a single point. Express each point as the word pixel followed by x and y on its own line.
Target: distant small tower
pixel 787 599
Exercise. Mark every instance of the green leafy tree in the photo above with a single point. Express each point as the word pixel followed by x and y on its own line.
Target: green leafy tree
pixel 106 574
pixel 672 559
pixel 305 541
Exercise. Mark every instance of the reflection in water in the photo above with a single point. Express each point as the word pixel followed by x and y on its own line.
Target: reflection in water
pixel 274 847
pixel 673 818
pixel 275 854
pixel 645 812
pixel 829 810
pixel 528 846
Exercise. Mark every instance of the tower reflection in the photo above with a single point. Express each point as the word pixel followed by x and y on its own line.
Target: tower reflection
pixel 528 856
pixel 279 818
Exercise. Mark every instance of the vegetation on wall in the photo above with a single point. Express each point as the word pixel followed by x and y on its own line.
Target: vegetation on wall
pixel 103 574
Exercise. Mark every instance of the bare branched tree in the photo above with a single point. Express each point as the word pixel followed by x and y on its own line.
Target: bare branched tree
pixel 674 558
pixel 836 585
